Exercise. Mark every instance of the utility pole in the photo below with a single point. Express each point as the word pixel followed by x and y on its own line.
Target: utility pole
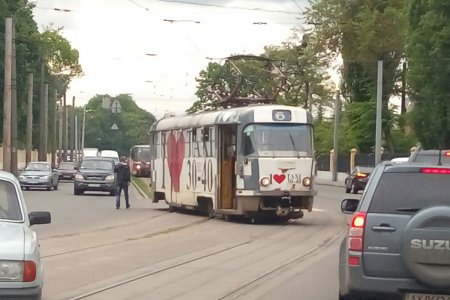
pixel 72 137
pixel 29 118
pixel 337 110
pixel 55 117
pixel 41 153
pixel 66 126
pixel 45 142
pixel 7 97
pixel 60 133
pixel 14 168
pixel 83 127
pixel 76 137
pixel 378 117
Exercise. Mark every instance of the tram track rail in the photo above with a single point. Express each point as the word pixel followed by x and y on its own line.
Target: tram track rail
pixel 127 240
pixel 230 294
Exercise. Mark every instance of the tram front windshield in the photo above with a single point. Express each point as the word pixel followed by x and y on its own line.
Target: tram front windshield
pixel 281 140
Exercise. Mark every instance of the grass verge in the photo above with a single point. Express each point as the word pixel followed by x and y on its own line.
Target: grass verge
pixel 142 183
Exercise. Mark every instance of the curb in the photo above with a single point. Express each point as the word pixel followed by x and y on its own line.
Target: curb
pixel 139 190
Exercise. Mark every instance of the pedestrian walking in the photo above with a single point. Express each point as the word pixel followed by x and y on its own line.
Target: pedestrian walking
pixel 123 181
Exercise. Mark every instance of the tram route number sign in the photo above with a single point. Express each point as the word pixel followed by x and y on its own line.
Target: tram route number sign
pixel 281 115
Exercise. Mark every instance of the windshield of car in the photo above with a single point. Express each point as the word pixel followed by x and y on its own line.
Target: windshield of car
pixel 37 167
pixel 9 202
pixel 278 139
pixel 395 192
pixel 96 165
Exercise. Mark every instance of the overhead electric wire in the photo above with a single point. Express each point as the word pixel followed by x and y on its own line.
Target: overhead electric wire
pixel 229 7
pixel 299 7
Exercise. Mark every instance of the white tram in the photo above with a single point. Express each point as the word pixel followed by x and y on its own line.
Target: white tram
pixel 246 161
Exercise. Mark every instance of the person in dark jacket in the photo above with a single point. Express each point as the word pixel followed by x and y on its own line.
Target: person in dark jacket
pixel 123 181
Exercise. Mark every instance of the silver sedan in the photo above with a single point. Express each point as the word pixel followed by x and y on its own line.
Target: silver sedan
pixel 21 269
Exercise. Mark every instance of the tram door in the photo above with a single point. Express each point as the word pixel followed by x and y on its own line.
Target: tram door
pixel 227 158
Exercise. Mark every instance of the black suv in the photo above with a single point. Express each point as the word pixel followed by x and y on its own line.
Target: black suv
pixel 95 174
pixel 398 243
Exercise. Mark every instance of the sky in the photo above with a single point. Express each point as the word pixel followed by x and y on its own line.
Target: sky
pixel 154 49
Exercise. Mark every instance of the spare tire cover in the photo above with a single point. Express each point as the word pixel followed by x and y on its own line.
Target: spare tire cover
pixel 426 246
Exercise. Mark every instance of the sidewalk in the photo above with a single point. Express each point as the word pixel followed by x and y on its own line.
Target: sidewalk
pixel 325 178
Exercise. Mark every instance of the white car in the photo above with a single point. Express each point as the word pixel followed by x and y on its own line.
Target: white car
pixel 21 269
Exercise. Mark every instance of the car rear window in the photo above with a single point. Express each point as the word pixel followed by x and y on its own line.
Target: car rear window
pixel 408 192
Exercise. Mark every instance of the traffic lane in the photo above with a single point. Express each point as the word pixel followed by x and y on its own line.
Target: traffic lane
pixel 261 249
pixel 73 214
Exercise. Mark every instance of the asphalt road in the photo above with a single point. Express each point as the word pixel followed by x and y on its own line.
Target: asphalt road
pixel 93 251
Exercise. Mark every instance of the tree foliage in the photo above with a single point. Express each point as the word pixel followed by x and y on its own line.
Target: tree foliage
pixel 361 32
pixel 133 123
pixel 429 71
pixel 60 59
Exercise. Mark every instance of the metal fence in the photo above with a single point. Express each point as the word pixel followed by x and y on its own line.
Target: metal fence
pixel 361 159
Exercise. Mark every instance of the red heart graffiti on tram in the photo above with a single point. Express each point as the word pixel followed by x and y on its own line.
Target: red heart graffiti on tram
pixel 175 155
pixel 279 178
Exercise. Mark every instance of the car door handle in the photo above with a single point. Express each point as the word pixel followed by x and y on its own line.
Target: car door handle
pixel 383 227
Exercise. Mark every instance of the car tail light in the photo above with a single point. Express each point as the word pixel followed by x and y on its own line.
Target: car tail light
pixel 356 232
pixel 361 175
pixel 356 236
pixel 447 153
pixel 29 271
pixel 435 171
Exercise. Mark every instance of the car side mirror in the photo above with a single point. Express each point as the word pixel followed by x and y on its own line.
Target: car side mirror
pixel 349 206
pixel 39 217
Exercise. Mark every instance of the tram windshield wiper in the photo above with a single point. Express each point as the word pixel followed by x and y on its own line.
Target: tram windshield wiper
pixel 293 145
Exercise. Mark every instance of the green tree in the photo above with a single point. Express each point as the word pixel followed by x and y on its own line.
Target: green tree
pixel 361 32
pixel 133 125
pixel 429 70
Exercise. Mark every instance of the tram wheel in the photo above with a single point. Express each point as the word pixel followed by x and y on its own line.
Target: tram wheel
pixel 210 209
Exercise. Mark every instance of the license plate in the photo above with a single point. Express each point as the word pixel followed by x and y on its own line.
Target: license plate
pixel 414 296
pixel 32 181
pixel 94 185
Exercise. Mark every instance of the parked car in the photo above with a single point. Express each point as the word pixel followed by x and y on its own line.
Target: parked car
pixel 21 268
pixel 39 174
pixel 397 245
pixel 357 179
pixel 399 160
pixel 95 174
pixel 430 156
pixel 67 170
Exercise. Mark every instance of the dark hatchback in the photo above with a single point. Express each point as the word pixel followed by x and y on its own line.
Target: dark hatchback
pixel 95 174
pixel 67 170
pixel 357 179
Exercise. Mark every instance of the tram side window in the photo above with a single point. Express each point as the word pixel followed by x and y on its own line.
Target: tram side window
pixel 163 144
pixel 249 140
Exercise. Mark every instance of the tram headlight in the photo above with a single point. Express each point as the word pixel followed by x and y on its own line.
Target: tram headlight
pixel 306 181
pixel 264 181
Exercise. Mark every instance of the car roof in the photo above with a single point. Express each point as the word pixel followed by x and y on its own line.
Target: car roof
pixel 7 175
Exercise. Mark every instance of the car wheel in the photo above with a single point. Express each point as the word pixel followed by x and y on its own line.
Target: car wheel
pixel 49 188
pixel 347 189
pixel 354 189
